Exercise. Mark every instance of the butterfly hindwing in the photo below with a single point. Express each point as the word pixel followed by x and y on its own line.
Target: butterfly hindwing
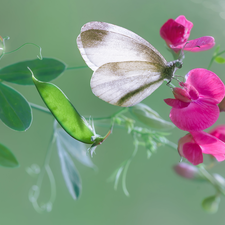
pixel 126 83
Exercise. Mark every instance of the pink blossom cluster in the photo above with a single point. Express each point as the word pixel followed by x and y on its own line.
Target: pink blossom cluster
pixel 195 106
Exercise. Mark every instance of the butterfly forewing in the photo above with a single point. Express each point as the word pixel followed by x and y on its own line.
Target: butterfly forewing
pixel 126 83
pixel 101 43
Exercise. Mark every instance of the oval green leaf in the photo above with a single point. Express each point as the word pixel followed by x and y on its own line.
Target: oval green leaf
pixel 211 204
pixel 64 112
pixel 220 59
pixel 75 148
pixel 7 159
pixel 46 69
pixel 15 111
pixel 69 171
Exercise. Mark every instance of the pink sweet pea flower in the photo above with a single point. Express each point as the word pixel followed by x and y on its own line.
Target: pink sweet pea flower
pixel 218 132
pixel 192 145
pixel 195 105
pixel 176 33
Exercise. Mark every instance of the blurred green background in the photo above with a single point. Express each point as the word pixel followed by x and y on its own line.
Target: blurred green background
pixel 157 195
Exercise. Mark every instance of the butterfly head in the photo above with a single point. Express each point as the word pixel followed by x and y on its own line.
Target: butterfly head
pixel 178 64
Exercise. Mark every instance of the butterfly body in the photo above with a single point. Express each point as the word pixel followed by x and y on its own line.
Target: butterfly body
pixel 126 67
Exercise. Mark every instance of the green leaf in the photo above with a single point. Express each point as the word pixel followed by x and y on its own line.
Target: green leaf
pixel 116 176
pixel 64 112
pixel 7 159
pixel 15 111
pixel 46 69
pixel 220 59
pixel 69 172
pixel 211 204
pixel 75 148
pixel 217 49
pixel 150 117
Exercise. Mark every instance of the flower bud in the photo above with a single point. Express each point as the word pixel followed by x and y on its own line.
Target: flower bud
pixel 186 170
pixel 211 204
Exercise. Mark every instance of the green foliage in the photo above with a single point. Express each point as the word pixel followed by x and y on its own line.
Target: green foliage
pixel 216 51
pixel 150 117
pixel 220 59
pixel 69 172
pixel 211 204
pixel 75 148
pixel 46 70
pixel 15 111
pixel 7 159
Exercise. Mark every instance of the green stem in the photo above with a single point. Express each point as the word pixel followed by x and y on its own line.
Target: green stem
pixel 213 58
pixel 127 166
pixel 46 162
pixel 211 180
pixel 40 108
pixel 40 57
pixel 76 67
pixel 46 110
pixel 36 189
pixel 171 144
pixel 121 111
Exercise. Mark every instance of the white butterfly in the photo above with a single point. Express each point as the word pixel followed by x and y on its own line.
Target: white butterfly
pixel 126 67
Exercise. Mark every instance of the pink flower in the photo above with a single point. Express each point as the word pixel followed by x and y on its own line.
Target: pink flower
pixel 176 33
pixel 218 132
pixel 192 145
pixel 195 104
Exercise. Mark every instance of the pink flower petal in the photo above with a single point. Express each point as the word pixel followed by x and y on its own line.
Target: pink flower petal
pixel 198 115
pixel 181 94
pixel 220 157
pixel 209 144
pixel 187 138
pixel 207 83
pixel 173 33
pixel 200 44
pixel 176 103
pixel 193 153
pixel 190 90
pixel 186 23
pixel 219 132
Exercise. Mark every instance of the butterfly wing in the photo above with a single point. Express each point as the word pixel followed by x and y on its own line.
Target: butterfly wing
pixel 126 83
pixel 100 43
pixel 127 67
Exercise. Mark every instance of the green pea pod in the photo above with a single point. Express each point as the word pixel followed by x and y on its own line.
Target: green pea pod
pixel 64 112
pixel 67 116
